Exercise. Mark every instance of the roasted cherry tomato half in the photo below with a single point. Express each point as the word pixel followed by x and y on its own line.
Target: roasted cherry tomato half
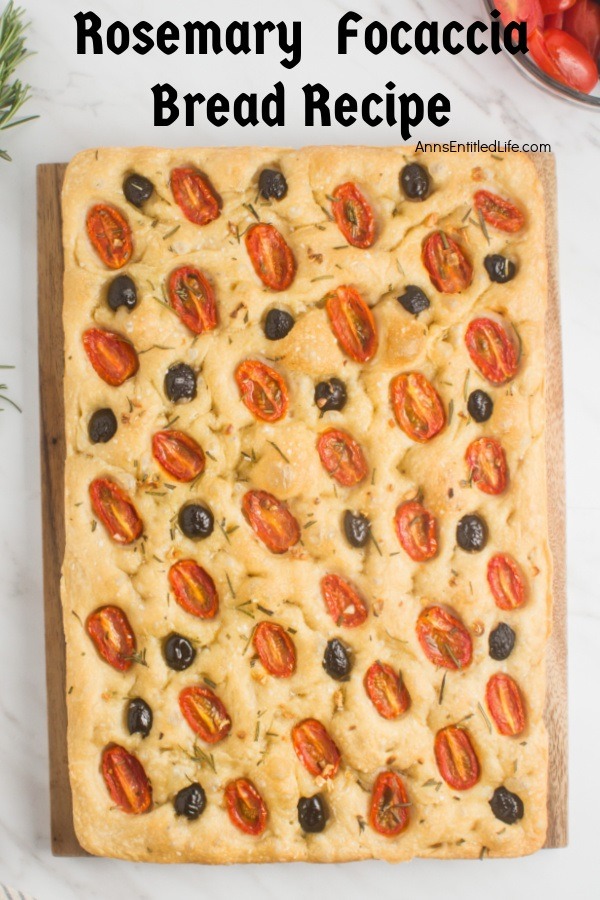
pixel 417 406
pixel 386 690
pixel 113 636
pixel 195 196
pixel 352 323
pixel 342 457
pixel 500 213
pixel 456 759
pixel 449 269
pixel 505 704
pixel 114 359
pixel 389 810
pixel 444 639
pixel 275 649
pixel 271 257
pixel 271 521
pixel 194 589
pixel 178 454
pixel 126 780
pixel 417 530
pixel 344 604
pixel 315 749
pixel 564 59
pixel 247 809
pixel 263 390
pixel 110 234
pixel 205 713
pixel 529 11
pixel 192 297
pixel 506 581
pixel 353 215
pixel 115 510
pixel 494 349
pixel 487 465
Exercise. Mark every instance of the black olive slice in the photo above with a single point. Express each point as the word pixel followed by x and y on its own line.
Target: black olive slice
pixel 190 801
pixel 180 383
pixel 501 641
pixel 139 717
pixel 357 528
pixel 122 292
pixel 196 521
pixel 272 184
pixel 480 406
pixel 414 300
pixel 506 806
pixel 337 660
pixel 137 189
pixel 331 395
pixel 499 268
pixel 278 324
pixel 312 814
pixel 178 652
pixel 415 182
pixel 102 426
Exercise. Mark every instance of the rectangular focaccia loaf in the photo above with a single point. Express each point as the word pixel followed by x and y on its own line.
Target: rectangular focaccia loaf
pixel 274 460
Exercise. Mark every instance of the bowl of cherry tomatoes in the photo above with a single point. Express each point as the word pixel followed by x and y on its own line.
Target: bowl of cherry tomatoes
pixel 563 37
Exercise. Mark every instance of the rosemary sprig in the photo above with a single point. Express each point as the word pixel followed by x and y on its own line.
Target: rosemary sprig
pixel 4 387
pixel 13 93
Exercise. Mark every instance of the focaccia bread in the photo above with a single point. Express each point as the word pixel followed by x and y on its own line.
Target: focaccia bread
pixel 305 485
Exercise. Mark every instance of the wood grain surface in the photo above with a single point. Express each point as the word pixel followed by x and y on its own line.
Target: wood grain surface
pixel 50 342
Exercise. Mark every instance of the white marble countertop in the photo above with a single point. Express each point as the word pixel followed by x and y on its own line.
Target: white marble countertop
pixel 86 101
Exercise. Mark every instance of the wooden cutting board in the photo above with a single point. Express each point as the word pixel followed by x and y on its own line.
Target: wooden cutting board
pixel 50 275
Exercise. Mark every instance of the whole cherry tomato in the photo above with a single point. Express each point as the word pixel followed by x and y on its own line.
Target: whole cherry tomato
pixel 493 348
pixel 195 195
pixel 344 604
pixel 389 809
pixel 126 780
pixel 113 636
pixel 487 465
pixel 386 690
pixel 115 510
pixel 110 234
pixel 506 581
pixel 205 713
pixel 352 323
pixel 417 531
pixel 417 406
pixel 275 649
pixel 549 7
pixel 271 521
pixel 194 589
pixel 342 457
pixel 505 704
pixel 247 809
pixel 456 758
pixel 192 297
pixel 114 359
pixel 315 749
pixel 353 215
pixel 498 212
pixel 449 268
pixel 444 639
pixel 271 257
pixel 263 390
pixel 178 454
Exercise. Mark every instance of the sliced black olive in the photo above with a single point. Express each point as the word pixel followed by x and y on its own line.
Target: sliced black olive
pixel 122 292
pixel 330 395
pixel 506 806
pixel 139 717
pixel 312 814
pixel 480 406
pixel 180 383
pixel 414 300
pixel 278 324
pixel 272 184
pixel 190 801
pixel 471 533
pixel 357 528
pixel 196 521
pixel 501 641
pixel 137 189
pixel 179 652
pixel 102 426
pixel 337 660
pixel 415 182
pixel 499 268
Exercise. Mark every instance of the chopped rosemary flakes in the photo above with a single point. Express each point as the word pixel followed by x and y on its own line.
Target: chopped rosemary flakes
pixel 485 718
pixel 279 450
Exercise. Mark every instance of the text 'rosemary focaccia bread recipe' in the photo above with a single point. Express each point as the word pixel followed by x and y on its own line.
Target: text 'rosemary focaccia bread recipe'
pixel 306 585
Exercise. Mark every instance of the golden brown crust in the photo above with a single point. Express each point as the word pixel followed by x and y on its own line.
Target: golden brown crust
pixel 263 709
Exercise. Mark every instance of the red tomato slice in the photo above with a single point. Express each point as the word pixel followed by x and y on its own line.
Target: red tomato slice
pixel 353 215
pixel 456 759
pixel 554 21
pixel 115 510
pixel 192 297
pixel 194 589
pixel 126 780
pixel 505 704
pixel 247 809
pixel 275 649
pixel 386 690
pixel 498 212
pixel 549 7
pixel 315 749
pixel 506 582
pixel 448 266
pixel 110 234
pixel 444 639
pixel 417 406
pixel 417 531
pixel 113 636
pixel 342 457
pixel 178 454
pixel 582 21
pixel 487 465
pixel 529 11
pixel 263 390
pixel 493 349
pixel 564 59
pixel 389 810
pixel 205 713
pixel 114 359
pixel 271 257
pixel 195 195
pixel 271 521
pixel 344 604
pixel 352 323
